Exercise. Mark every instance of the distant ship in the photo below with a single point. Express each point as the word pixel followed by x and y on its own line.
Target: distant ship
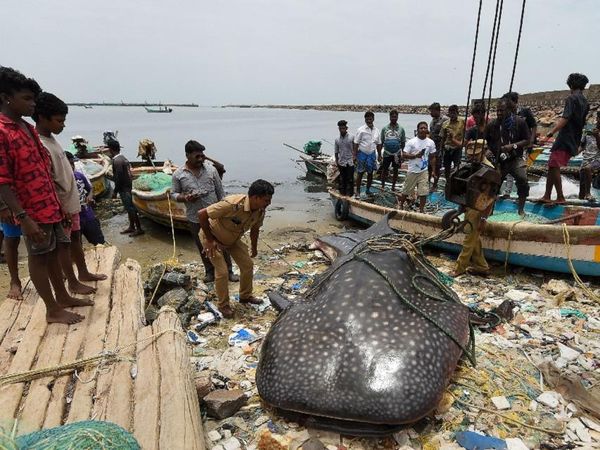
pixel 160 109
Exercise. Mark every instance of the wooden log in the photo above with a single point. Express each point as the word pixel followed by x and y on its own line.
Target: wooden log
pixel 14 317
pixel 10 395
pixel 180 423
pixel 101 260
pixel 146 392
pixel 81 405
pixel 33 410
pixel 114 392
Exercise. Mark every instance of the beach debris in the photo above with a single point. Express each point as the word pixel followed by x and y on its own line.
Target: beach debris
pixel 242 337
pixel 500 402
pixel 203 385
pixel 476 441
pixel 224 403
pixel 544 347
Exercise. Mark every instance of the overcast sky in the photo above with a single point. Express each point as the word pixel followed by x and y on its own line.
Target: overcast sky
pixel 291 51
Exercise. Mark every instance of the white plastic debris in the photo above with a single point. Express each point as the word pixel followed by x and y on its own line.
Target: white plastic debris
pixel 232 444
pixel 501 402
pixel 580 430
pixel 549 398
pixel 567 353
pixel 517 295
pixel 590 423
pixel 515 444
pixel 214 436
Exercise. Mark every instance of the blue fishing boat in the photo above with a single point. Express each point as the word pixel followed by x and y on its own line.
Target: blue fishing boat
pixel 548 238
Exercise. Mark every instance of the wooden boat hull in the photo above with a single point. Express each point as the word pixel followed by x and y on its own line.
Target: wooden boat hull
pixel 99 181
pixel 156 208
pixel 536 246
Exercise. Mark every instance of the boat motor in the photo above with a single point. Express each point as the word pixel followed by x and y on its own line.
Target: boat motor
pixel 474 185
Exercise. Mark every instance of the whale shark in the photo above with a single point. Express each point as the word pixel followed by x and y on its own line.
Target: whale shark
pixel 372 344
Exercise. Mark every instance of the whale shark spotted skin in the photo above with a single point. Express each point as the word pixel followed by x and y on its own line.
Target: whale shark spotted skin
pixel 352 350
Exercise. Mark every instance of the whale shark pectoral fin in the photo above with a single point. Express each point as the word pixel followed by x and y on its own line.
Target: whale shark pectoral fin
pixel 278 301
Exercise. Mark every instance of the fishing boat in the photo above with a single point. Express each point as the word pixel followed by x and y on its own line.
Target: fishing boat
pixel 96 169
pixel 160 109
pixel 158 207
pixel 151 195
pixel 543 246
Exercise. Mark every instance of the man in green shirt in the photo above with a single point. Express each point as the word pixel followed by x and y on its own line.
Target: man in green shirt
pixel 393 139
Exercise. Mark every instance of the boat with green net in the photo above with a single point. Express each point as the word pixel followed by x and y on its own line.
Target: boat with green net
pixel 151 196
pixel 547 238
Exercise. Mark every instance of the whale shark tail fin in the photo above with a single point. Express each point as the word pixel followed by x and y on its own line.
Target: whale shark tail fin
pixel 278 301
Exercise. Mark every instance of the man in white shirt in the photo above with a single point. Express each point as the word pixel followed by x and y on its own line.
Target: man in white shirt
pixel 366 141
pixel 417 153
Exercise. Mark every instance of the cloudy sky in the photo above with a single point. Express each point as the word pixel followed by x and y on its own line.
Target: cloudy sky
pixel 291 51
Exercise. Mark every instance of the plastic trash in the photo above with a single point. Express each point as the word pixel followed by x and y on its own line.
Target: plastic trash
pixel 570 312
pixel 242 337
pixel 213 309
pixel 205 320
pixel 475 441
pixel 193 337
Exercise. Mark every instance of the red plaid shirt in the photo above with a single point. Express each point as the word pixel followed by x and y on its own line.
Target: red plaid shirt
pixel 26 166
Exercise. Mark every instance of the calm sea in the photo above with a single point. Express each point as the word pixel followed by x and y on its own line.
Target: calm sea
pixel 249 141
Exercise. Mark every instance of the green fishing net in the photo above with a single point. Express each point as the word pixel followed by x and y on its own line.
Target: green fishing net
pixel 514 217
pixel 89 435
pixel 155 182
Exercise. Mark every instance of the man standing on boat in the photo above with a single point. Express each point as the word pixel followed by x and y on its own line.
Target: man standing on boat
pixel 452 137
pixel 570 130
pixel 435 133
pixel 507 136
pixel 417 153
pixel 366 141
pixel 198 185
pixel 393 139
pixel 344 159
pixel 223 225
pixel 527 115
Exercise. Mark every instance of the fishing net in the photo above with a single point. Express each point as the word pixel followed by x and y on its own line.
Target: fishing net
pixel 155 182
pixel 89 435
pixel 90 168
pixel 515 217
pixel 312 148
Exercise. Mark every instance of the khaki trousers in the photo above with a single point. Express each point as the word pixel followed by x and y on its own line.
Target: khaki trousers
pixel 472 253
pixel 239 252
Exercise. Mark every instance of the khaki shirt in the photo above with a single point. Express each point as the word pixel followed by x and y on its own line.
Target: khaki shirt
pixel 230 218
pixel 452 130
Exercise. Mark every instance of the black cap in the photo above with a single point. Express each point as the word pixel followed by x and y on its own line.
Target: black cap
pixel 114 145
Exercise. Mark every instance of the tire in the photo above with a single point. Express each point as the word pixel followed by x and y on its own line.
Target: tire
pixel 449 218
pixel 342 208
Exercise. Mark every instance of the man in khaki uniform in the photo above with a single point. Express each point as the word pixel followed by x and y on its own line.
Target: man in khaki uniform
pixel 223 224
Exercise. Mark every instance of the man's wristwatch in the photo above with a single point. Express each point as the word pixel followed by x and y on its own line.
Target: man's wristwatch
pixel 21 215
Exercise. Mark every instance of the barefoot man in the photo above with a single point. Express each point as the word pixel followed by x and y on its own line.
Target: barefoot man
pixel 26 186
pixel 50 116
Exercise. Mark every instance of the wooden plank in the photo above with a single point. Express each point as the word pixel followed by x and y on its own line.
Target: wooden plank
pixel 180 423
pixel 114 392
pixel 146 392
pixel 102 261
pixel 81 405
pixel 10 395
pixel 33 409
pixel 14 317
